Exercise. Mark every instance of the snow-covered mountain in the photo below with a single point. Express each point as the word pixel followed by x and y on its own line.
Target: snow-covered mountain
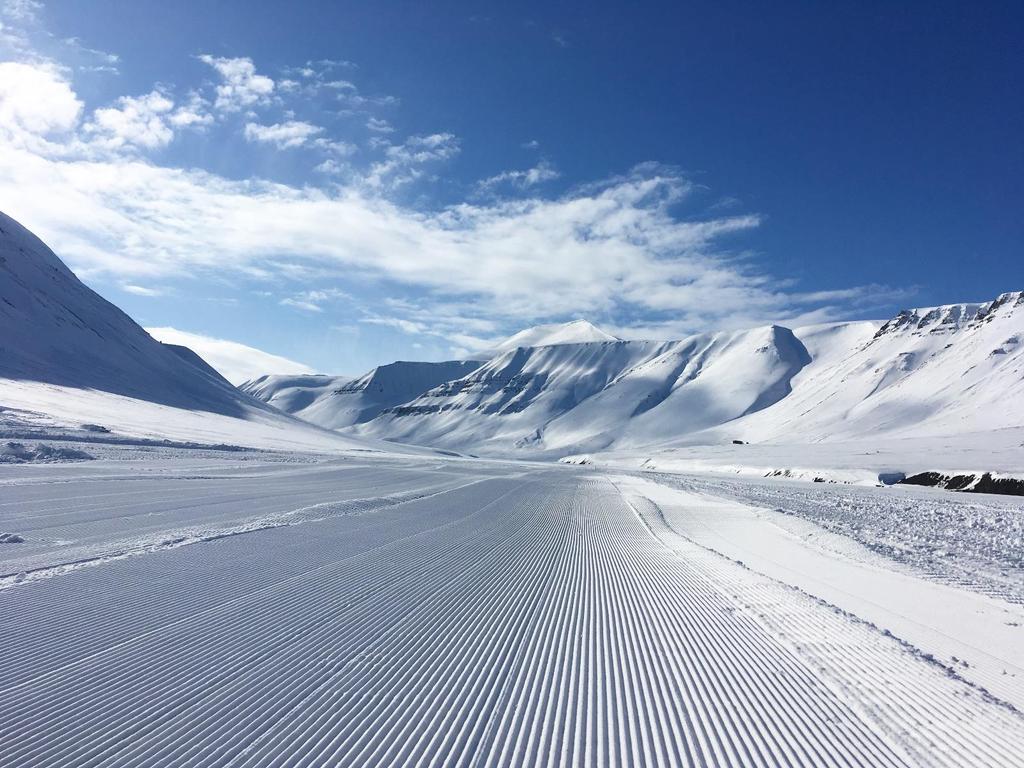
pixel 56 330
pixel 507 402
pixel 949 370
pixel 69 357
pixel 572 388
pixel 292 392
pixel 698 382
pixel 337 401
pixel 550 335
pixel 589 396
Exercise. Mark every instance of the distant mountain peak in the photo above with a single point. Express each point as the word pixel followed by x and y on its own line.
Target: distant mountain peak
pixel 552 334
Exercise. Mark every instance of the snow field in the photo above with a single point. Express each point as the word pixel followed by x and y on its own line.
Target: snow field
pixel 895 686
pixel 515 617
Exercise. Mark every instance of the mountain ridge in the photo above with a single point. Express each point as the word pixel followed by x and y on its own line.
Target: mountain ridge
pixel 844 380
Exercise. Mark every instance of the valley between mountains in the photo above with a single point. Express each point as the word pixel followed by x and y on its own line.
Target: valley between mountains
pixel 567 550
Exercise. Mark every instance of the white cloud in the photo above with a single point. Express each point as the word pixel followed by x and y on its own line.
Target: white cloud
pixel 35 100
pixel 141 290
pixel 236 362
pixel 334 147
pixel 306 306
pixel 22 10
pixel 403 163
pixel 241 87
pixel 379 125
pixel 287 135
pixel 140 121
pixel 540 173
pixel 193 114
pixel 95 60
pixel 588 252
pixel 312 301
pixel 332 167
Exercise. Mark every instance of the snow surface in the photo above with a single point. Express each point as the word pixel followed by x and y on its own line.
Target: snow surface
pixel 392 612
pixel 938 570
pixel 30 409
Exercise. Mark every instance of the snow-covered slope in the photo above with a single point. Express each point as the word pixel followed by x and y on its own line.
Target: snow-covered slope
pixel 950 370
pixel 575 332
pixel 506 403
pixel 590 396
pixel 334 401
pixel 938 371
pixel 56 330
pixel 292 392
pixel 68 357
pixel 698 382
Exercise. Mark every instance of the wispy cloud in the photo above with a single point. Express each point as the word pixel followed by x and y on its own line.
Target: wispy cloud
pixel 405 162
pixel 287 135
pixel 379 125
pixel 314 300
pixel 236 362
pixel 22 10
pixel 540 173
pixel 141 290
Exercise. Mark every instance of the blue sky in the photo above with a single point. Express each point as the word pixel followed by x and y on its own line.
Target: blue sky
pixel 343 184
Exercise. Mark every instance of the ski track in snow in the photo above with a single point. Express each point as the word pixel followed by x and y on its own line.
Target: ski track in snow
pixel 484 616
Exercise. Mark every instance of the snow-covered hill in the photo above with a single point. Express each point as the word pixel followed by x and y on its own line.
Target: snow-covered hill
pixel 590 396
pixel 292 393
pixel 69 357
pixel 56 330
pixel 937 371
pixel 562 389
pixel 507 402
pixel 698 382
pixel 334 402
